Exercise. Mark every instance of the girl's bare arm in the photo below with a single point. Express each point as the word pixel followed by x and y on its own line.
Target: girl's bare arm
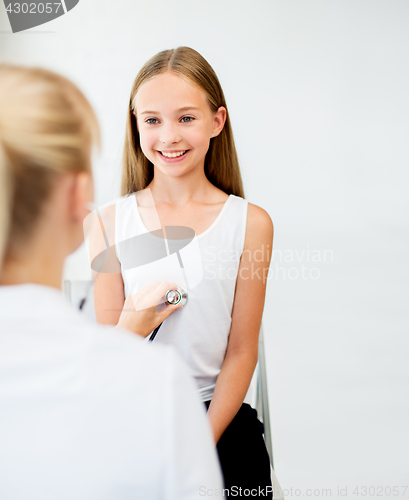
pixel 242 350
pixel 109 298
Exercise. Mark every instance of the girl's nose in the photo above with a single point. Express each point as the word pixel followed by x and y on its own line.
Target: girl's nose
pixel 169 134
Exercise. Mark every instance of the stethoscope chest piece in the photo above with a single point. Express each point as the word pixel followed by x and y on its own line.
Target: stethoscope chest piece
pixel 175 297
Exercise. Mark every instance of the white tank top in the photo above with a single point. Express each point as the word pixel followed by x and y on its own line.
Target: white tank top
pixel 207 268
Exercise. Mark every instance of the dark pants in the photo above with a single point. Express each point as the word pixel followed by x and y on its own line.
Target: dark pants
pixel 243 456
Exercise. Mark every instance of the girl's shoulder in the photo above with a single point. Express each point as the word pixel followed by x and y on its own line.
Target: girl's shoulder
pixel 257 215
pixel 143 197
pixel 259 224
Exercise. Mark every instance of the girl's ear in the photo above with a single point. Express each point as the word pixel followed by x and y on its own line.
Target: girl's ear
pixel 219 119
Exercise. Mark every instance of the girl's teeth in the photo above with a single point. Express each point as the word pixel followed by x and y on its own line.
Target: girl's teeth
pixel 173 155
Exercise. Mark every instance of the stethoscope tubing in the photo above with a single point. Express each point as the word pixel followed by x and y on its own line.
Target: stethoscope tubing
pixel 153 334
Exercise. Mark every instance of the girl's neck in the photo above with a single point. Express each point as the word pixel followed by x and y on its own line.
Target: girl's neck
pixel 180 190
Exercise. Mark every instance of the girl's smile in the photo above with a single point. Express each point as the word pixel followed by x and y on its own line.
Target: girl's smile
pixel 172 156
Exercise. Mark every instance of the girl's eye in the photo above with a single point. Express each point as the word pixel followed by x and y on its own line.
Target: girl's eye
pixel 187 119
pixel 151 121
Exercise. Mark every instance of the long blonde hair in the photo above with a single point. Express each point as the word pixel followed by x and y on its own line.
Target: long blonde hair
pixel 47 128
pixel 221 162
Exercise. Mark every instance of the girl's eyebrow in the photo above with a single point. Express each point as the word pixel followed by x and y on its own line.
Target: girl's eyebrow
pixel 185 108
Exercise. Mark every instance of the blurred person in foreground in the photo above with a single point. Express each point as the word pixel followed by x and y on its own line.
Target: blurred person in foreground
pixel 85 413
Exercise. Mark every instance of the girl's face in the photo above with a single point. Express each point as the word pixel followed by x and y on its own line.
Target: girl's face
pixel 175 123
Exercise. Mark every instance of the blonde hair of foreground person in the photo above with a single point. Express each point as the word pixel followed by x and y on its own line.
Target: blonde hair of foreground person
pixel 47 129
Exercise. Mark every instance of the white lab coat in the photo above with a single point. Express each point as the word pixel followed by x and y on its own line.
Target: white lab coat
pixel 90 413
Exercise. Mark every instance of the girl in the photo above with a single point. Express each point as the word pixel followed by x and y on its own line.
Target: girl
pixel 179 150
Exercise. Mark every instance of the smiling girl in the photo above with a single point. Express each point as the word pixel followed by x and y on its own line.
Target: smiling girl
pixel 179 150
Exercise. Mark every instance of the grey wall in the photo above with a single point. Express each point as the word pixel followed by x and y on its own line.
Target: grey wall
pixel 317 92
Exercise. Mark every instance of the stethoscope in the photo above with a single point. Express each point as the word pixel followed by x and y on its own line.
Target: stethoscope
pixel 172 297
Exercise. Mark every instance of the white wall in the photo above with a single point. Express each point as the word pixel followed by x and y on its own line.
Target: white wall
pixel 317 92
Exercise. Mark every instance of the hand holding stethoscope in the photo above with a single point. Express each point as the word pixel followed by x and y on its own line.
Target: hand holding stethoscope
pixel 139 314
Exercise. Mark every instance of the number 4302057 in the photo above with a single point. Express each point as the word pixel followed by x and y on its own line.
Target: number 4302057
pixel 380 491
pixel 33 8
